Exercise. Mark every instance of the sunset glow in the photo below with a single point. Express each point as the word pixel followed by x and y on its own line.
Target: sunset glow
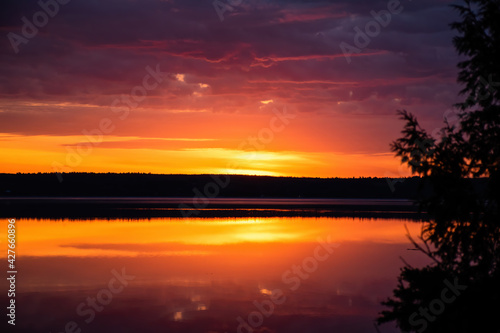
pixel 250 166
pixel 184 90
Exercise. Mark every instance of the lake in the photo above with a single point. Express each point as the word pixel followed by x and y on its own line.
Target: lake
pixel 212 274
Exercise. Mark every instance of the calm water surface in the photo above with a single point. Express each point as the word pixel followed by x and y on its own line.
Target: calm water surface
pixel 212 275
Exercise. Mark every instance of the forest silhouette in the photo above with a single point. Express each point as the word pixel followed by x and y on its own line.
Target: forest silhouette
pixel 460 290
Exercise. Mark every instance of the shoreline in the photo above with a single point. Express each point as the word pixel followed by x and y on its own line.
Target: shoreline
pixel 153 207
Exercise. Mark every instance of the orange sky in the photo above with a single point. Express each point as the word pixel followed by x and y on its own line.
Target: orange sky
pixel 223 143
pixel 174 89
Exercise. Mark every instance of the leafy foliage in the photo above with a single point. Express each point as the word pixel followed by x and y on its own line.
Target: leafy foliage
pixel 463 235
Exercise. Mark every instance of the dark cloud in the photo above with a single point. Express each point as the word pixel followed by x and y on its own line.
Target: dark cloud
pixel 92 52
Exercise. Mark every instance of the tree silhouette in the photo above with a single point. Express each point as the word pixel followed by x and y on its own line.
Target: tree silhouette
pixel 463 235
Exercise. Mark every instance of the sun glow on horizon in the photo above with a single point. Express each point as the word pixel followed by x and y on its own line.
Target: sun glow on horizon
pixel 200 154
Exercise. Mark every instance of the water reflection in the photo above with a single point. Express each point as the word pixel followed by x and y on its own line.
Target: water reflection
pixel 201 275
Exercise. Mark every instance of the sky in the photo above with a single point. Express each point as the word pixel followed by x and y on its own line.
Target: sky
pixel 284 88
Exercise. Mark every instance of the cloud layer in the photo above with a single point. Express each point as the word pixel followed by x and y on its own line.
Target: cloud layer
pixel 262 55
